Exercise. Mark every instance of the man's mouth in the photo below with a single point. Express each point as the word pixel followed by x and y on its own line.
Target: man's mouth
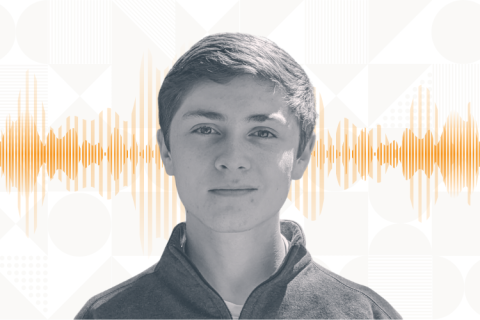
pixel 232 192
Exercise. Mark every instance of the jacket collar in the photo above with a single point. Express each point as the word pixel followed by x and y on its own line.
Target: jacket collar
pixel 175 264
pixel 290 229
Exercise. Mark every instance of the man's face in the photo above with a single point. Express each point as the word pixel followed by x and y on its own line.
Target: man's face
pixel 226 138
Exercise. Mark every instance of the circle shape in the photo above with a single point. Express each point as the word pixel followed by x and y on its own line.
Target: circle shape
pixel 33 31
pixel 446 275
pixel 472 287
pixel 72 218
pixel 7 36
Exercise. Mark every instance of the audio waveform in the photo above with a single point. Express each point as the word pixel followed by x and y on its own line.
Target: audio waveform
pixel 355 156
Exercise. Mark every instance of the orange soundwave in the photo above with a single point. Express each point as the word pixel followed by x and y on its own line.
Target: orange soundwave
pixel 23 154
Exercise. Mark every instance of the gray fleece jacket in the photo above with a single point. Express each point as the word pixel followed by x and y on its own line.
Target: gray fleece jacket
pixel 174 288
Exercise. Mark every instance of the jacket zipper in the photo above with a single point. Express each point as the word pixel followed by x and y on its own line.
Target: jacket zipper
pixel 279 270
pixel 282 265
pixel 205 281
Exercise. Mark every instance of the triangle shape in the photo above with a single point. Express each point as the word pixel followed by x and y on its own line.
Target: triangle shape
pixel 290 34
pixel 15 241
pixel 98 282
pixel 336 76
pixel 207 15
pixel 135 265
pixel 230 22
pixel 253 15
pixel 60 96
pixel 5 223
pixel 130 46
pixel 355 95
pixel 15 305
pixel 387 18
pixel 79 76
pixel 320 87
pixel 155 19
pixel 81 110
pixel 417 34
pixel 99 95
pixel 188 30
pixel 119 274
pixel 40 235
pixel 387 82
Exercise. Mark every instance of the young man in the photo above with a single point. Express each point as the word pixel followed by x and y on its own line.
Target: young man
pixel 237 116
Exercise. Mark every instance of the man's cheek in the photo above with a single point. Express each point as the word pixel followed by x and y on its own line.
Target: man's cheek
pixel 285 161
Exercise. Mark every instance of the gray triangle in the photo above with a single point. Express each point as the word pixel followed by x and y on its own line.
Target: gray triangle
pixel 262 17
pixel 336 76
pixel 14 305
pixel 130 44
pixel 97 283
pixel 230 22
pixel 387 82
pixel 187 30
pixel 80 109
pixel 386 19
pixel 40 235
pixel 5 223
pixel 79 76
pixel 336 111
pixel 119 274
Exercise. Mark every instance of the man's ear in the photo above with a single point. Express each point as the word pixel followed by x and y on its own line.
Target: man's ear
pixel 164 153
pixel 301 163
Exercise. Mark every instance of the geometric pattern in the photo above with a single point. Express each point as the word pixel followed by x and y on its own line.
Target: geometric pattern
pixel 367 60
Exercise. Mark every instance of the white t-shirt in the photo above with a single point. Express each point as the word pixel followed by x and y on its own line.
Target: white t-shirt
pixel 235 309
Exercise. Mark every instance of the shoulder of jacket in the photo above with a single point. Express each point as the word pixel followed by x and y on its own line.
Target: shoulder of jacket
pixel 377 302
pixel 87 311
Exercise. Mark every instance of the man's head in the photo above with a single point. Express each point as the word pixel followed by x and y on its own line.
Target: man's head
pixel 236 111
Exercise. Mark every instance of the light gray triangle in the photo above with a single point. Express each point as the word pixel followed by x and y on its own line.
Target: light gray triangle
pixel 262 17
pixel 387 82
pixel 14 305
pixel 79 76
pixel 119 274
pixel 336 76
pixel 97 283
pixel 387 18
pixel 39 236
pixel 5 223
pixel 78 109
pixel 230 22
pixel 187 30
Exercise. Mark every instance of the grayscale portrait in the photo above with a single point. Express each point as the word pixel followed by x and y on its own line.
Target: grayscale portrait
pixel 236 115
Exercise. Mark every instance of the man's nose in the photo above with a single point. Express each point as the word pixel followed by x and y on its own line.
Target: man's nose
pixel 233 155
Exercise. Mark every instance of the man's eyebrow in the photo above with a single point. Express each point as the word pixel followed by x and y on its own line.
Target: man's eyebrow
pixel 212 115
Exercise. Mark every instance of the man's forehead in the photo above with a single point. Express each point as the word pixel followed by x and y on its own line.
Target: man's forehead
pixel 241 96
pixel 218 116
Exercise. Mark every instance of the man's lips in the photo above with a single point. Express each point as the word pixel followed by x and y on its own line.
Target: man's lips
pixel 232 192
pixel 232 189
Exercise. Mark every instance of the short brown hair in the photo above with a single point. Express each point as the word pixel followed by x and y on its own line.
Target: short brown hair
pixel 222 56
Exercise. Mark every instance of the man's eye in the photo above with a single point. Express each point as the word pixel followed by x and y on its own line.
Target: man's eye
pixel 264 134
pixel 208 130
pixel 204 130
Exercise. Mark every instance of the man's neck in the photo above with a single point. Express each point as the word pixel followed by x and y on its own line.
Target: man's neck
pixel 235 263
